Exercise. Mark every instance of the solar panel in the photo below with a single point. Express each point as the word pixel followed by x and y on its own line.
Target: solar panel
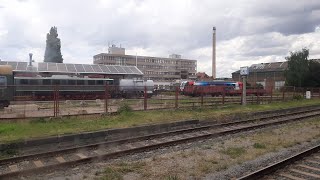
pixel 22 66
pixel 120 69
pixel 52 67
pixel 13 64
pixel 135 70
pixel 79 68
pixel 113 70
pixel 105 69
pixel 88 68
pixel 62 67
pixel 71 68
pixel 96 68
pixel 127 69
pixel 42 67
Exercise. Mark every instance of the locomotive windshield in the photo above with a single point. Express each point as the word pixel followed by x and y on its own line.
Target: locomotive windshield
pixel 3 82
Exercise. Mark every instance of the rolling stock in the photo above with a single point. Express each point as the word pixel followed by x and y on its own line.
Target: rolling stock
pixel 68 87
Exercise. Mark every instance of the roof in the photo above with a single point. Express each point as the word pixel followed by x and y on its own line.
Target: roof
pixel 263 67
pixel 202 75
pixel 141 57
pixel 71 68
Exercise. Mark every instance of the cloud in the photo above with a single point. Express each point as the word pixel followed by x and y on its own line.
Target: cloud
pixel 247 31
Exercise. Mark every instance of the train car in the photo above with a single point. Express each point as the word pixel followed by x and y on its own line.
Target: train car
pixel 135 87
pixel 216 88
pixel 6 85
pixel 213 88
pixel 42 88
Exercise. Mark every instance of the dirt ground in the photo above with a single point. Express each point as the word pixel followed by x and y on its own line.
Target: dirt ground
pixel 213 156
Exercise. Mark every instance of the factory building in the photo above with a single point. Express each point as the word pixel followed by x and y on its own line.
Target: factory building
pixel 267 74
pixel 154 68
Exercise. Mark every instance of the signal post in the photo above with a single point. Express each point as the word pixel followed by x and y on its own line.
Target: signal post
pixel 244 72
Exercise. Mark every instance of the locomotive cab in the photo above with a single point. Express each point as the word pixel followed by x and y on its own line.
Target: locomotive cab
pixel 6 85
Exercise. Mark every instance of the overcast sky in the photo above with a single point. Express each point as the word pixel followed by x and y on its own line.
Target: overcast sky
pixel 247 31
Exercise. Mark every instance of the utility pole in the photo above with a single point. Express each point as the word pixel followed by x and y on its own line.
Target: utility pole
pixel 244 72
pixel 244 90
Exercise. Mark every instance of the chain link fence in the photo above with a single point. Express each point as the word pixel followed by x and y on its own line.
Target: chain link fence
pixel 52 101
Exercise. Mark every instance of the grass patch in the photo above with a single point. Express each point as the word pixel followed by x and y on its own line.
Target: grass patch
pixel 259 146
pixel 116 172
pixel 172 177
pixel 111 174
pixel 8 152
pixel 44 127
pixel 234 152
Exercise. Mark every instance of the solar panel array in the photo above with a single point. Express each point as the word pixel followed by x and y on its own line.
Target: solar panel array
pixel 74 68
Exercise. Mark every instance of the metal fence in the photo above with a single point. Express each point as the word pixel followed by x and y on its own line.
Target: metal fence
pixel 53 101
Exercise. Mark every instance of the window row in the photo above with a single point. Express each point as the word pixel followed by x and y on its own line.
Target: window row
pixel 60 82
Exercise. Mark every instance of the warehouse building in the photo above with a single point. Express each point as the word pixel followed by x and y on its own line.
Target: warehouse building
pixel 266 74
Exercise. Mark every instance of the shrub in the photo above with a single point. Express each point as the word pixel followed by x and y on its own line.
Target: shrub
pixel 124 108
pixel 298 97
pixel 39 120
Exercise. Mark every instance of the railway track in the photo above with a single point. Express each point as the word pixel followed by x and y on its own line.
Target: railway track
pixel 108 150
pixel 304 165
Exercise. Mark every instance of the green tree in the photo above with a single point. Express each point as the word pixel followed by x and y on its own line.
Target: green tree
pixel 53 45
pixel 313 76
pixel 302 72
pixel 297 68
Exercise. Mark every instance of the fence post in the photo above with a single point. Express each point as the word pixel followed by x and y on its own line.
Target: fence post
pixel 58 97
pixel 271 92
pixel 106 94
pixel 202 96
pixel 223 94
pixel 258 97
pixel 54 101
pixel 145 98
pixel 241 97
pixel 176 97
pixel 283 93
pixel 319 93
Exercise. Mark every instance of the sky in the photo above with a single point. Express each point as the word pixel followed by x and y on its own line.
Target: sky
pixel 248 31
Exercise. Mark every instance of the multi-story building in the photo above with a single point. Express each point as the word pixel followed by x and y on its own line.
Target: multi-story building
pixel 154 68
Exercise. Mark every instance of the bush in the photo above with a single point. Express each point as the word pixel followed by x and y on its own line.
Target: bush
pixel 124 108
pixel 298 97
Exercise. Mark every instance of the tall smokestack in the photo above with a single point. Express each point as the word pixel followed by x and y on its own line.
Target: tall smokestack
pixel 214 52
pixel 30 59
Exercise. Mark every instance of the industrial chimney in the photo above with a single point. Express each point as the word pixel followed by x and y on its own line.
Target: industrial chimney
pixel 214 52
pixel 30 59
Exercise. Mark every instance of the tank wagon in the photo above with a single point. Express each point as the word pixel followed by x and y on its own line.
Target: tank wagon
pixel 134 87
